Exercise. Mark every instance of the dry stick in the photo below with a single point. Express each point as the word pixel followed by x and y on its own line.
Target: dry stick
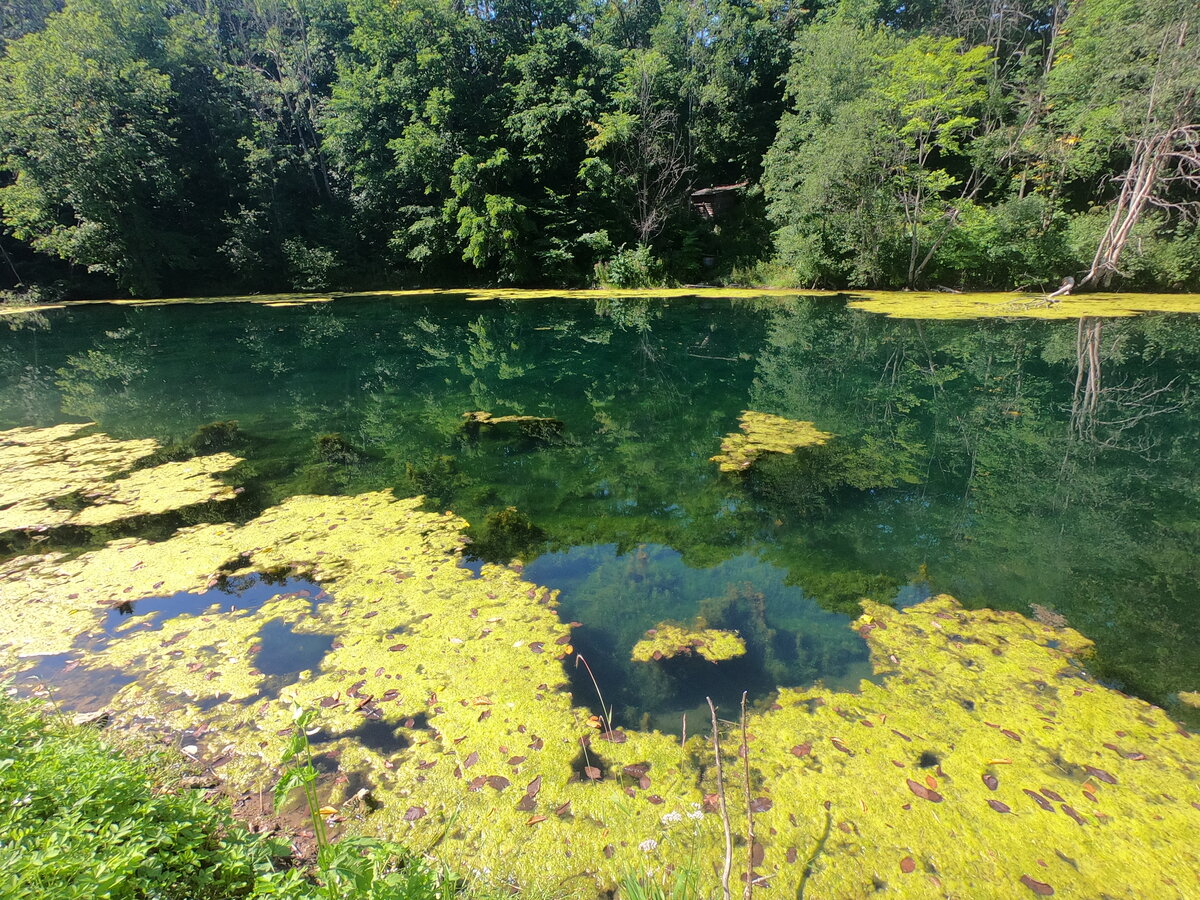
pixel 721 795
pixel 749 812
pixel 683 736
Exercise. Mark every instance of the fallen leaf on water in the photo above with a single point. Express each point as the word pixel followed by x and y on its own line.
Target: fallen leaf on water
pixel 802 750
pixel 999 762
pixel 1040 888
pixel 840 746
pixel 328 810
pixel 991 781
pixel 1039 800
pixel 414 813
pixel 499 782
pixel 931 782
pixel 760 804
pixel 1100 774
pixel 907 864
pixel 591 772
pixel 1073 814
pixel 533 820
pixel 472 758
pixel 923 792
pixel 1052 795
pixel 999 806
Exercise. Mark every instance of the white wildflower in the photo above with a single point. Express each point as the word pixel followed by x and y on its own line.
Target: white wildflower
pixel 647 845
pixel 671 818
pixel 695 814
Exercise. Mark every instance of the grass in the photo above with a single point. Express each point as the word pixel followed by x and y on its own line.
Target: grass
pixel 82 816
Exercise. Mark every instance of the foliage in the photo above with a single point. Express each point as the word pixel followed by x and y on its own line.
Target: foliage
pixel 83 818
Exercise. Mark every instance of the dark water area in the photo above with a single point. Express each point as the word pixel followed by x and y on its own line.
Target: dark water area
pixel 1026 465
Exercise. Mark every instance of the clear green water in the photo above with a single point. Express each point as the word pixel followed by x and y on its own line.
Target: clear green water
pixel 971 458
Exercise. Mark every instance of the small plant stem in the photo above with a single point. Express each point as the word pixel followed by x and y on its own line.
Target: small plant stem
pixel 749 812
pixel 606 718
pixel 683 736
pixel 716 739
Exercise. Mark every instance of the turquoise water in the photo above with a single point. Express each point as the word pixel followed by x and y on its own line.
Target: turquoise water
pixel 1009 463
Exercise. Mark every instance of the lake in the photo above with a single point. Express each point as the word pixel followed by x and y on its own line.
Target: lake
pixel 1050 468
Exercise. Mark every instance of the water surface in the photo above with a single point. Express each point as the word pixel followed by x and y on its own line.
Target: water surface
pixel 1033 466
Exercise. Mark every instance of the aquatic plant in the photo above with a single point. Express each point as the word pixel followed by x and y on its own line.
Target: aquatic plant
pixel 670 639
pixel 507 534
pixel 765 433
pixel 215 436
pixel 52 477
pixel 537 428
pixel 334 448
pixel 946 305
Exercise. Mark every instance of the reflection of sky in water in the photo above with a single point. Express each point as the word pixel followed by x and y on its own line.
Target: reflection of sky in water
pixel 617 596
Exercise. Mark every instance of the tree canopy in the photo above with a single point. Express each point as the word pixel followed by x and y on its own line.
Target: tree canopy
pixel 184 147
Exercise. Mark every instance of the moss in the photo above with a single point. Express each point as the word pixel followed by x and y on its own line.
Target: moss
pixel 764 433
pixel 670 639
pixel 51 477
pixel 335 449
pixel 925 305
pixel 1191 698
pixel 495 766
pixel 537 428
pixel 216 436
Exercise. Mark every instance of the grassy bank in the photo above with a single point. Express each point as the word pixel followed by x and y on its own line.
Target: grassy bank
pixel 87 815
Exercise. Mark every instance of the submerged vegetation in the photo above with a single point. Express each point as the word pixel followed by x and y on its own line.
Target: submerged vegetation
pixel 243 146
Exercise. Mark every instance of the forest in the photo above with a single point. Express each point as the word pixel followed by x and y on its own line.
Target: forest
pixel 183 147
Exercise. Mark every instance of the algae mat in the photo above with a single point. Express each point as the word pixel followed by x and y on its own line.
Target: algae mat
pixel 985 763
pixel 938 305
pixel 51 477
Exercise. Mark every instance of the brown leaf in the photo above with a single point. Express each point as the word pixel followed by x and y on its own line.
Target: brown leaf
pixel 1046 792
pixel 414 813
pixel 564 810
pixel 923 792
pixel 655 799
pixel 802 750
pixel 330 702
pixel 396 648
pixel 477 783
pixel 901 734
pixel 760 804
pixel 1100 774
pixel 908 864
pixel 472 758
pixel 644 782
pixel 609 850
pixel 533 820
pixel 499 782
pixel 931 782
pixel 792 854
pixel 1039 800
pixel 614 737
pixel 840 746
pixel 1011 734
pixel 999 806
pixel 1038 887
pixel 1074 814
pixel 534 787
pixel 991 781
pixel 528 803
pixel 591 772
pixel 636 770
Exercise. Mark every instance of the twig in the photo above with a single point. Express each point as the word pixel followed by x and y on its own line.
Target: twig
pixel 604 708
pixel 716 738
pixel 683 736
pixel 749 812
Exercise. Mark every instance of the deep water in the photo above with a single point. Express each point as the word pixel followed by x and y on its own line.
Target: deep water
pixel 1045 467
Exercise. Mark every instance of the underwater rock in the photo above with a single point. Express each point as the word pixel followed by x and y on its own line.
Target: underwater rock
pixel 507 534
pixel 216 436
pixel 670 639
pixel 538 428
pixel 764 433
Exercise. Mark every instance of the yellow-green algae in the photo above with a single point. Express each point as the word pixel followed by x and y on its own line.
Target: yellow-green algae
pixel 670 639
pixel 886 790
pixel 765 433
pixel 944 305
pixel 39 467
pixel 901 304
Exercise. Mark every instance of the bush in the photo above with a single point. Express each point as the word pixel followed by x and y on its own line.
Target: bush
pixel 636 268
